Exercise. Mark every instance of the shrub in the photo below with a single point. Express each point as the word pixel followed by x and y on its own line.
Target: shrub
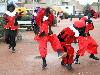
pixel 26 18
pixel 65 15
pixel 2 22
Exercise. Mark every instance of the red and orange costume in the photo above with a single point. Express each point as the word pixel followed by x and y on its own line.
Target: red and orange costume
pixel 11 26
pixel 45 20
pixel 66 38
pixel 11 22
pixel 85 41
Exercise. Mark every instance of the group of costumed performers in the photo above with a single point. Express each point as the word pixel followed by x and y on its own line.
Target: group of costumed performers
pixel 11 26
pixel 42 23
pixel 78 32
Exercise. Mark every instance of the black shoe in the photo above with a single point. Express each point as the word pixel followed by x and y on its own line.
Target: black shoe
pixel 13 50
pixel 59 53
pixel 69 66
pixel 93 57
pixel 44 63
pixel 62 63
pixel 9 46
pixel 76 61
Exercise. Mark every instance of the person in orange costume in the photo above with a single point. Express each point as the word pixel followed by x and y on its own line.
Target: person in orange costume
pixel 85 41
pixel 41 13
pixel 11 26
pixel 67 37
pixel 45 35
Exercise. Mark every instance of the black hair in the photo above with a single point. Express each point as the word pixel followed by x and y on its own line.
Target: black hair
pixel 35 10
pixel 85 14
pixel 47 11
pixel 9 6
pixel 80 30
pixel 89 21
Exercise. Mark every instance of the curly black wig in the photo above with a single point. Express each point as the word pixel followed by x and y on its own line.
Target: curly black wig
pixel 47 11
pixel 11 7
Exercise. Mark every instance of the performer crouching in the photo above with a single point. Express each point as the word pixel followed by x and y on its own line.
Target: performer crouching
pixel 85 41
pixel 67 37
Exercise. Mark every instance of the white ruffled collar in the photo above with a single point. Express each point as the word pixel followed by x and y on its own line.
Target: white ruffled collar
pixel 10 13
pixel 74 30
pixel 45 18
pixel 35 14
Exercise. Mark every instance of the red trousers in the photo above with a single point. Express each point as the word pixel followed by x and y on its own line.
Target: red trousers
pixel 43 44
pixel 87 44
pixel 70 54
pixel 55 43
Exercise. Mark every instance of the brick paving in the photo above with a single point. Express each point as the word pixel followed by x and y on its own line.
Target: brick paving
pixel 24 61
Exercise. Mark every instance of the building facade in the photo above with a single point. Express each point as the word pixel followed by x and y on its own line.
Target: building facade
pixel 3 6
pixel 96 6
pixel 69 6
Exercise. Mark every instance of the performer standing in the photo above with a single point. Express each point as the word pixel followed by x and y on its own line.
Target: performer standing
pixel 85 41
pixel 45 20
pixel 11 26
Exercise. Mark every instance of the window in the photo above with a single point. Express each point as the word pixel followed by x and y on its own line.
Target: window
pixel 66 7
pixel 64 3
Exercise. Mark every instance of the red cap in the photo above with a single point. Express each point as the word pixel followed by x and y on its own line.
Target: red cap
pixel 79 24
pixel 84 18
pixel 41 12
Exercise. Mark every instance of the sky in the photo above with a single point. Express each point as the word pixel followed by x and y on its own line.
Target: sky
pixel 84 2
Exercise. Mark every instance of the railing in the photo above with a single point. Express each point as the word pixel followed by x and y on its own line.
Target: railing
pixel 25 25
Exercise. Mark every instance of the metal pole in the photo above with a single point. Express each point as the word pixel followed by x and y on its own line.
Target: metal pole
pixel 33 6
pixel 7 1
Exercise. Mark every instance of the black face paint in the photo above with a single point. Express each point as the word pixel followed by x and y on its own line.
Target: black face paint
pixel 81 30
pixel 11 7
pixel 47 11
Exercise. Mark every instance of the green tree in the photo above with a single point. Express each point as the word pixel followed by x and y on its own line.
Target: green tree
pixel 86 7
pixel 87 10
pixel 2 23
pixel 25 1
pixel 37 1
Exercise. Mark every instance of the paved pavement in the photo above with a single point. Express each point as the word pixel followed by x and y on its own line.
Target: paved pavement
pixel 24 61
